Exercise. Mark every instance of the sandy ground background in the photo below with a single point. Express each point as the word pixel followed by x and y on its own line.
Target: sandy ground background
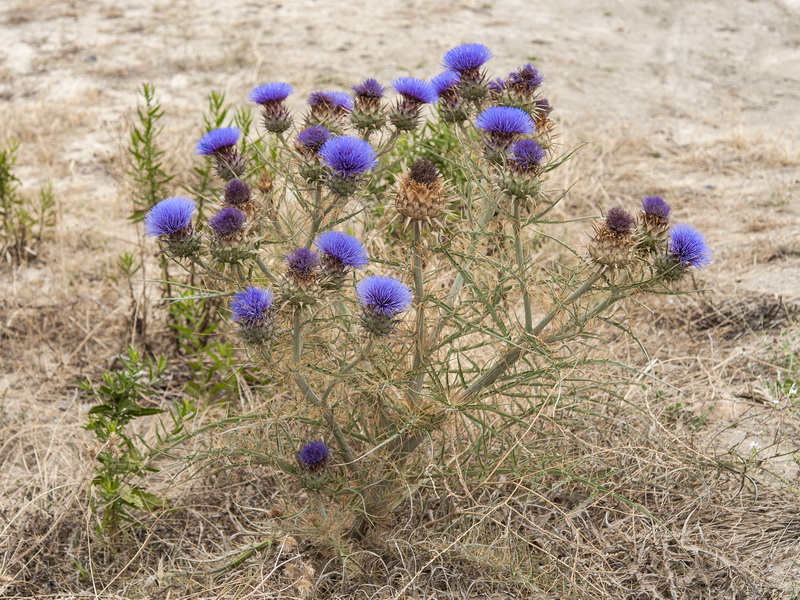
pixel 696 101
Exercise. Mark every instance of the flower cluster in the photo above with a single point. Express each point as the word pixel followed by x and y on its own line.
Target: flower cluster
pixel 621 240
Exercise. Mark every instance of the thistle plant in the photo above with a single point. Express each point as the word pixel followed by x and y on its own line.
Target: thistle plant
pixel 387 350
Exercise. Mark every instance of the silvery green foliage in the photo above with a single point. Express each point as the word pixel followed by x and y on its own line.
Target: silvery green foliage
pixel 401 337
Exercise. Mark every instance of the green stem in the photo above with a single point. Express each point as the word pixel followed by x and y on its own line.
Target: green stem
pixel 419 293
pixel 265 270
pixel 297 335
pixel 513 355
pixel 526 298
pixel 318 215
pixel 327 414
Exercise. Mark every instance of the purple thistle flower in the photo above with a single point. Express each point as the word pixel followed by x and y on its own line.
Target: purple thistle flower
pixel 269 93
pixel 342 250
pixel 314 456
pixel 303 263
pixel 348 156
pixel 237 192
pixel 526 156
pixel 369 88
pixel 466 57
pixel 415 90
pixel 252 307
pixel 218 140
pixel 525 80
pixel 332 100
pixel 688 247
pixel 227 222
pixel 619 220
pixel 497 85
pixel 170 217
pixel 313 138
pixel 656 207
pixel 384 296
pixel 505 121
pixel 444 81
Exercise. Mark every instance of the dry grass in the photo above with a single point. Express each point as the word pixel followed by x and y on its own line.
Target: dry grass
pixel 687 488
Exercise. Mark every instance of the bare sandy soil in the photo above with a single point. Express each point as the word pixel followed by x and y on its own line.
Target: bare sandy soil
pixel 696 101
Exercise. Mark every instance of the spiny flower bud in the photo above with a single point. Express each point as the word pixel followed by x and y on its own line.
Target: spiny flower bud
pixel 221 145
pixel 228 245
pixel 613 241
pixel 421 193
pixel 524 166
pixel 314 456
pixel 467 60
pixel 686 248
pixel 452 106
pixel 348 158
pixel 329 109
pixel 654 223
pixel 381 299
pixel 171 220
pixel 302 287
pixel 237 192
pixel 253 310
pixel 340 253
pixel 270 96
pixel 414 93
pixel 367 115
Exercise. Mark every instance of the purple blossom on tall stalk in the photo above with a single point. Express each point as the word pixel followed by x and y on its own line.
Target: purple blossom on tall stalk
pixel 348 158
pixel 252 309
pixel 171 217
pixel 331 100
pixel 311 139
pixel 655 206
pixel 505 121
pixel 303 264
pixel 687 247
pixel 270 96
pixel 218 140
pixel 369 88
pixel 415 90
pixel 267 93
pixel 466 57
pixel 237 192
pixel 619 221
pixel 525 80
pixel 444 81
pixel 314 456
pixel 526 157
pixel 227 223
pixel 381 299
pixel 341 250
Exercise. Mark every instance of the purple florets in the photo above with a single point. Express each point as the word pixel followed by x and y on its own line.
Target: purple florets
pixel 348 156
pixel 619 220
pixel 466 57
pixel 369 88
pixel 656 207
pixel 303 263
pixel 526 155
pixel 497 85
pixel 269 93
pixel 227 222
pixel 237 192
pixel 337 100
pixel 444 81
pixel 314 456
pixel 313 138
pixel 688 247
pixel 415 90
pixel 384 295
pixel 252 307
pixel 342 250
pixel 218 140
pixel 526 79
pixel 505 121
pixel 169 217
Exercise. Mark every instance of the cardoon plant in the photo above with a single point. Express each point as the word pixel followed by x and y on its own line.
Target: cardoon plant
pixel 383 275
